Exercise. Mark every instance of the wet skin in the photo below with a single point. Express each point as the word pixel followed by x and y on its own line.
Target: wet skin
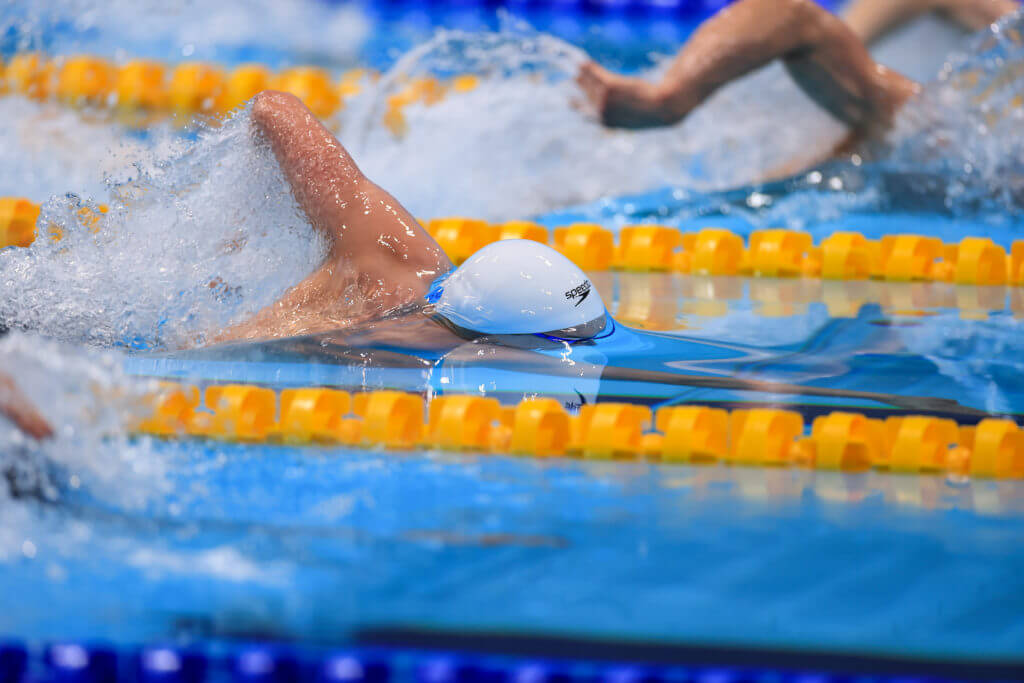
pixel 821 53
pixel 870 19
pixel 824 55
pixel 378 256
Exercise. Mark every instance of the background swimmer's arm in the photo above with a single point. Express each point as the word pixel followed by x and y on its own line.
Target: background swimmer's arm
pixel 871 19
pixel 821 53
pixel 17 408
pixel 368 231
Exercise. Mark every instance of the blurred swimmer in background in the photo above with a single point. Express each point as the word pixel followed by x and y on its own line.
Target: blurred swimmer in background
pixel 872 19
pixel 825 55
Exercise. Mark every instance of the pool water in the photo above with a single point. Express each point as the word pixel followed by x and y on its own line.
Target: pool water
pixel 317 544
pixel 188 540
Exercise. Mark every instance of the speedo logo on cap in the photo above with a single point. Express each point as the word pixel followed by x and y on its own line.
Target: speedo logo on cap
pixel 580 293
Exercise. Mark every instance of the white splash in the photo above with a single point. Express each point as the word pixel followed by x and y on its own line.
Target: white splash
pixel 200 238
pixel 223 563
pixel 47 149
pixel 90 404
pixel 523 142
pixel 965 128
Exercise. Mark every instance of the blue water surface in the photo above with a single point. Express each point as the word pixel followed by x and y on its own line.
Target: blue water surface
pixel 343 540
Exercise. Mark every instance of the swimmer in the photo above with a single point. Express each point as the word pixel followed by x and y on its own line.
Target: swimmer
pixel 386 287
pixel 380 259
pixel 16 407
pixel 825 57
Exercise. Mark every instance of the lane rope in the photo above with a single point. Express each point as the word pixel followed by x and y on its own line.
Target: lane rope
pixel 543 428
pixel 142 91
pixel 771 253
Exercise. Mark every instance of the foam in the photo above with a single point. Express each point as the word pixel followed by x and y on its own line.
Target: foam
pixel 523 142
pixel 90 403
pixel 50 150
pixel 965 127
pixel 199 238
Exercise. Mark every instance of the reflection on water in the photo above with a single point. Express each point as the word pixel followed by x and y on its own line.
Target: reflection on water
pixel 676 301
pixel 721 339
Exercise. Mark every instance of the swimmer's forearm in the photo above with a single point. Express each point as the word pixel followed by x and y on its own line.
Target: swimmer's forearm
pixel 378 257
pixel 362 221
pixel 308 153
pixel 870 19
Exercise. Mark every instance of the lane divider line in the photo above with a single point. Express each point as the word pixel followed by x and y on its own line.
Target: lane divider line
pixel 143 90
pixel 541 427
pixel 773 253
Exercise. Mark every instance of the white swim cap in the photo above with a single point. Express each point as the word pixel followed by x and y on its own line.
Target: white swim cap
pixel 520 287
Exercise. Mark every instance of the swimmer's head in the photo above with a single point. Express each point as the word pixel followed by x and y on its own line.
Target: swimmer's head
pixel 520 287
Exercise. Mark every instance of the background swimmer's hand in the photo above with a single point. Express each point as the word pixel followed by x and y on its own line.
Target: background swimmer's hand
pixel 16 407
pixel 621 101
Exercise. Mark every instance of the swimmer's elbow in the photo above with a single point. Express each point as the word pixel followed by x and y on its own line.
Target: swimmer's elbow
pixel 809 23
pixel 671 103
pixel 269 105
pixel 802 10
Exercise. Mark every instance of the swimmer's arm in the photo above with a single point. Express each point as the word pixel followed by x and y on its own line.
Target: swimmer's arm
pixel 871 19
pixel 368 231
pixel 821 53
pixel 17 408
pixel 379 257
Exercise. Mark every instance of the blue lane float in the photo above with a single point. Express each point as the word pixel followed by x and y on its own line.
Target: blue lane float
pixel 72 662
